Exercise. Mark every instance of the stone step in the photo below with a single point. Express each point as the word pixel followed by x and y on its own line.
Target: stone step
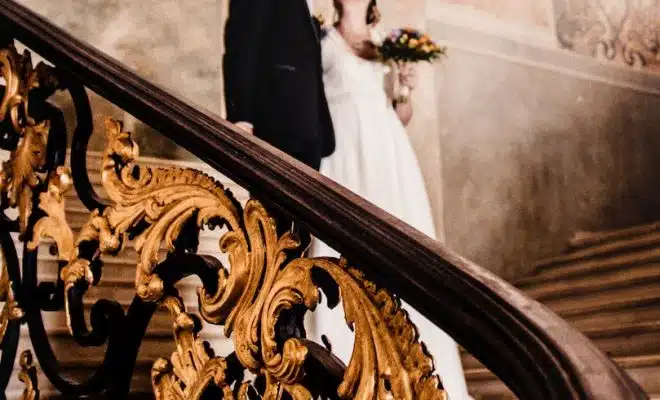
pixel 624 341
pixel 586 239
pixel 631 315
pixel 600 281
pixel 600 251
pixel 607 285
pixel 613 299
pixel 644 369
pixel 140 384
pixel 583 268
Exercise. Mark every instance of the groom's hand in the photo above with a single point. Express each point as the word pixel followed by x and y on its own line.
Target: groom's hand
pixel 246 126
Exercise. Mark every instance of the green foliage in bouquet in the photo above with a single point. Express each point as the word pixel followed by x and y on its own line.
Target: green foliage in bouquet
pixel 409 45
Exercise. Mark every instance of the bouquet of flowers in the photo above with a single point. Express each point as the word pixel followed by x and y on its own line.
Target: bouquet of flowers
pixel 408 45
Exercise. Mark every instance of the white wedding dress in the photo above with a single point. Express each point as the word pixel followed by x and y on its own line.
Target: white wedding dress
pixel 375 159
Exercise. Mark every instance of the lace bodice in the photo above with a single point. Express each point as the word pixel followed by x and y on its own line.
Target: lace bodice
pixel 344 73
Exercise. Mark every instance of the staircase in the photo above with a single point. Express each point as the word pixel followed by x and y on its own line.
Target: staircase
pixel 537 354
pixel 118 284
pixel 607 284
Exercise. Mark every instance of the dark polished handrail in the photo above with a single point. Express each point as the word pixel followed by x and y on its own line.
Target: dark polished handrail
pixel 537 354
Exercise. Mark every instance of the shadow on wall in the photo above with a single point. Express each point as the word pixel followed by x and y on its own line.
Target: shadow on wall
pixel 532 154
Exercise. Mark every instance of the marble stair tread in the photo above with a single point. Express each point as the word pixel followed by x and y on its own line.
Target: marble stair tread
pixel 611 299
pixel 160 325
pixel 140 385
pixel 582 268
pixel 485 385
pixel 585 238
pixel 599 281
pixel 606 249
pixel 623 248
pixel 607 285
pixel 625 341
pixel 611 319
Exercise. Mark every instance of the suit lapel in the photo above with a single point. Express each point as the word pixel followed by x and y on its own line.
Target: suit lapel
pixel 312 21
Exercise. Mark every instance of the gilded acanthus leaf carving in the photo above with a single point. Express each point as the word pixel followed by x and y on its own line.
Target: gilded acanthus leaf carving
pixel 19 177
pixel 192 367
pixel 388 359
pixel 54 224
pixel 162 198
pixel 267 276
pixel 20 77
pixel 10 311
pixel 28 375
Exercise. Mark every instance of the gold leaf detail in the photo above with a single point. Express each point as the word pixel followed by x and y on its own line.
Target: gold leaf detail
pixel 191 367
pixel 28 375
pixel 388 360
pixel 10 311
pixel 162 198
pixel 267 278
pixel 19 174
pixel 20 77
pixel 54 224
pixel 19 177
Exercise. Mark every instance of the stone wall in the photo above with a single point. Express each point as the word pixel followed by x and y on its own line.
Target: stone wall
pixel 176 44
pixel 537 142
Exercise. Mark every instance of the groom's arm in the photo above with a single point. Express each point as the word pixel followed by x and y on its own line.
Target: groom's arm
pixel 244 36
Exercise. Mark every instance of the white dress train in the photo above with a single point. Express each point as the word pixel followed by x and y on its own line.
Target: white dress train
pixel 375 159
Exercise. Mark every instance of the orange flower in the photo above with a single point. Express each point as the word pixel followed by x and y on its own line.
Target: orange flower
pixel 424 39
pixel 413 43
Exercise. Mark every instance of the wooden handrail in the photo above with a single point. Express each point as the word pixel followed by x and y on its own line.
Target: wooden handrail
pixel 537 354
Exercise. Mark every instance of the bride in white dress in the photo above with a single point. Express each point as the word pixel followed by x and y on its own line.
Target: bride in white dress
pixel 374 159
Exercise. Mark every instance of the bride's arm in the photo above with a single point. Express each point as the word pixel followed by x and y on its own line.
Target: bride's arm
pixel 404 111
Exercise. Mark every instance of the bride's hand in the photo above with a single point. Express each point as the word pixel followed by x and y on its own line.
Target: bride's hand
pixel 408 75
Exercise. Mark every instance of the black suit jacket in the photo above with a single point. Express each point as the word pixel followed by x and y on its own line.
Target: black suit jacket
pixel 273 76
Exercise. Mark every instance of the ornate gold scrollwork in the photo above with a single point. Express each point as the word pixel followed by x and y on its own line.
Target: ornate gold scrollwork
pixel 192 366
pixel 28 375
pixel 11 311
pixel 388 360
pixel 54 224
pixel 164 198
pixel 20 77
pixel 19 177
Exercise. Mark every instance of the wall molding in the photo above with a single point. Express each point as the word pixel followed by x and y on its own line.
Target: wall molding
pixel 536 54
pixel 483 22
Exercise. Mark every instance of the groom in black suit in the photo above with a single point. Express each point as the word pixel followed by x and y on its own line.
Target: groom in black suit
pixel 273 77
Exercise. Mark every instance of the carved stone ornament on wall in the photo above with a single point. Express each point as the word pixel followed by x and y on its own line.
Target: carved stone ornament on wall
pixel 260 297
pixel 623 31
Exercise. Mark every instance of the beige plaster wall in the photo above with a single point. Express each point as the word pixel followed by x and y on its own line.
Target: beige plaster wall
pixel 176 44
pixel 537 142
